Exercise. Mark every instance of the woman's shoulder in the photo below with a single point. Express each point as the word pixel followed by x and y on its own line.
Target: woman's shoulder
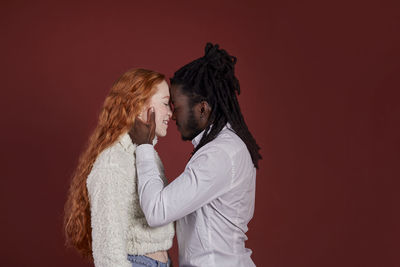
pixel 113 161
pixel 117 155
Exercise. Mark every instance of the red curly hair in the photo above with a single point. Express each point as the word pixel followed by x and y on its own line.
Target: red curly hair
pixel 127 97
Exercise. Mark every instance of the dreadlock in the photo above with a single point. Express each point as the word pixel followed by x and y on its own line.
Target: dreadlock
pixel 211 78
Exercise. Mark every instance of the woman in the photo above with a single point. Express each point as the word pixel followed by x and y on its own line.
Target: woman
pixel 103 218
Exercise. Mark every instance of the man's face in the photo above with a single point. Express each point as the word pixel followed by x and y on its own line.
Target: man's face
pixel 185 116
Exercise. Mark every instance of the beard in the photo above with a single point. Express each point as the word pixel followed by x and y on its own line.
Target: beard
pixel 192 127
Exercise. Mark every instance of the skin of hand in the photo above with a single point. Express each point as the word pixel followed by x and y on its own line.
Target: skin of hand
pixel 144 132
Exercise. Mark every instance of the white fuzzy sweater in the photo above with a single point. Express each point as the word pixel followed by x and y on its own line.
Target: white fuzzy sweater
pixel 119 226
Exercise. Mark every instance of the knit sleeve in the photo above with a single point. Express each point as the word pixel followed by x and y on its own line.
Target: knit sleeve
pixel 108 219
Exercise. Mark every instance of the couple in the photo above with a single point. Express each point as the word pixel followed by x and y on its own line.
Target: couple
pixel 120 210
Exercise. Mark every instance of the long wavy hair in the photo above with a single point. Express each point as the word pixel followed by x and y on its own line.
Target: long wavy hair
pixel 126 99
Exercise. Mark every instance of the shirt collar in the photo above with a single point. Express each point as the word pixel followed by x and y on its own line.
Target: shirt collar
pixel 197 139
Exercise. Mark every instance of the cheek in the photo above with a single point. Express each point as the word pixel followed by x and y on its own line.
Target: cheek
pixel 158 117
pixel 160 114
pixel 181 118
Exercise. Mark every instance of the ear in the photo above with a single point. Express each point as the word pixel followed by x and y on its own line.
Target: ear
pixel 204 110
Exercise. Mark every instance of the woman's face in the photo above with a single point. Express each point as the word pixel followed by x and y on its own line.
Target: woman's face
pixel 160 102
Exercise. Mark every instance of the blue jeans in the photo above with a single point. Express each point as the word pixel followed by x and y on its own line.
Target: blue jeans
pixel 140 260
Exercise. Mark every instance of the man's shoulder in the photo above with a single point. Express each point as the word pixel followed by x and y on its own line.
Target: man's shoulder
pixel 228 138
pixel 226 142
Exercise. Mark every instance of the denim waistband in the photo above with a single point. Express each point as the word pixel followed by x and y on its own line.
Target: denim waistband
pixel 142 260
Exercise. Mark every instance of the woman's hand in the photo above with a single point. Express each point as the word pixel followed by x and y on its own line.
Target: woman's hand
pixel 144 132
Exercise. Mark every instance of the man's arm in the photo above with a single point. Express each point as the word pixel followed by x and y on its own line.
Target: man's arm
pixel 207 176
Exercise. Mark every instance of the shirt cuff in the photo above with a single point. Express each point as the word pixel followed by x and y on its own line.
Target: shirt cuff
pixel 144 153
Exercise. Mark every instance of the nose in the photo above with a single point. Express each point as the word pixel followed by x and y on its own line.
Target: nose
pixel 169 112
pixel 172 112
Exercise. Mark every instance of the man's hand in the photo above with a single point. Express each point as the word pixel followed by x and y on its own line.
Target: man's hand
pixel 144 132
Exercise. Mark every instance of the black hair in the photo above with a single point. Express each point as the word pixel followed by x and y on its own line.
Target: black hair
pixel 211 78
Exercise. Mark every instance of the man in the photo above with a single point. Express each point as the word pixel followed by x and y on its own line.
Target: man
pixel 213 199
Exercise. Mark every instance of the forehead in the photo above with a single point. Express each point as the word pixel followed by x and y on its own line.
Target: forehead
pixel 176 94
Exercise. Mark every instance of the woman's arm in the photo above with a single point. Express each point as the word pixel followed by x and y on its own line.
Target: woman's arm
pixel 108 218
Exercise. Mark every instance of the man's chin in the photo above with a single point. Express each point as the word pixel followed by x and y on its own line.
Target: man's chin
pixel 190 135
pixel 189 138
pixel 185 138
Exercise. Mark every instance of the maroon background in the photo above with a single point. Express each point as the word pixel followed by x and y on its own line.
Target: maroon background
pixel 319 92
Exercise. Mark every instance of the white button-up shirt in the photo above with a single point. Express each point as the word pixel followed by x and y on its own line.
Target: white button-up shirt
pixel 212 200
